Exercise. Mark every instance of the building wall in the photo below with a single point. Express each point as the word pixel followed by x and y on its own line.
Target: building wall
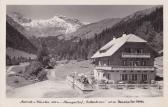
pixel 116 75
pixel 117 60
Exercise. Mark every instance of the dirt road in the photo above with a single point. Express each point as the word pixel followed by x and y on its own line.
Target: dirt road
pixel 43 89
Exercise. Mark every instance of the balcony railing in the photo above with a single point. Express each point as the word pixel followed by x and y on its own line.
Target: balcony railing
pixel 127 68
pixel 135 55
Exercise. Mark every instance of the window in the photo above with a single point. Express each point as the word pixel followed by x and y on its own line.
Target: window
pixel 99 63
pixel 144 77
pixel 143 63
pixel 139 50
pixel 134 77
pixel 124 77
pixel 108 76
pixel 131 63
pixel 132 50
pixel 102 51
pixel 124 63
pixel 136 63
pixel 127 50
pixel 108 62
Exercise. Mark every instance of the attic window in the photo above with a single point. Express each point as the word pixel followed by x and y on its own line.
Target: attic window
pixel 105 49
pixel 102 51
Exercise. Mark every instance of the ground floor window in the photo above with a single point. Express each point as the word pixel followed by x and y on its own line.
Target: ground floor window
pixel 107 75
pixel 124 77
pixel 129 77
pixel 144 77
pixel 134 77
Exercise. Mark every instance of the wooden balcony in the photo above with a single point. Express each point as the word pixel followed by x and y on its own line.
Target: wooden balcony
pixel 126 68
pixel 135 55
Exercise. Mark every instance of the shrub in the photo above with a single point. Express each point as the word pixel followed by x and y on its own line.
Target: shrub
pixel 52 62
pixel 42 55
pixel 33 68
pixel 36 71
pixel 158 78
pixel 42 75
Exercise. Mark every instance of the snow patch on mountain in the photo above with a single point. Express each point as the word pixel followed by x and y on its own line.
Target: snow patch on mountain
pixel 54 26
pixel 56 21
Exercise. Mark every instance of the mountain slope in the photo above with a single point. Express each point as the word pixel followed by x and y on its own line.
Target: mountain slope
pixel 148 24
pixel 15 21
pixel 19 18
pixel 89 31
pixel 82 44
pixel 16 40
pixel 17 26
pixel 55 26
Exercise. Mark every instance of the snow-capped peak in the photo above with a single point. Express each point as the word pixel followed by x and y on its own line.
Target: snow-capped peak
pixel 69 25
pixel 54 26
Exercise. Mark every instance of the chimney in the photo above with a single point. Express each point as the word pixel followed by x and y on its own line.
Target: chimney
pixel 124 35
pixel 114 37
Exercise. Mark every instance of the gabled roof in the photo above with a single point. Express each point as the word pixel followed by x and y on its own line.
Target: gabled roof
pixel 111 47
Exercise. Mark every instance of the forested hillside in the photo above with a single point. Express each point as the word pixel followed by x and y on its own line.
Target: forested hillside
pixel 16 40
pixel 148 26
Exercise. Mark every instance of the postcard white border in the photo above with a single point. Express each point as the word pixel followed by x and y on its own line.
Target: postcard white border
pixel 14 102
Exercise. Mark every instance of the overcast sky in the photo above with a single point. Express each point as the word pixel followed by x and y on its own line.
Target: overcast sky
pixel 85 13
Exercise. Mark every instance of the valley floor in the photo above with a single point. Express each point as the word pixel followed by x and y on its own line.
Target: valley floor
pixel 43 89
pixel 57 87
pixel 60 89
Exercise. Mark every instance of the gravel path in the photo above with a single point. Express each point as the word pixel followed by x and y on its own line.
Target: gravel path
pixel 43 89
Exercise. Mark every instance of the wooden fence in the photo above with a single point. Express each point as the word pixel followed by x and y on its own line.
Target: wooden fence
pixel 129 86
pixel 86 87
